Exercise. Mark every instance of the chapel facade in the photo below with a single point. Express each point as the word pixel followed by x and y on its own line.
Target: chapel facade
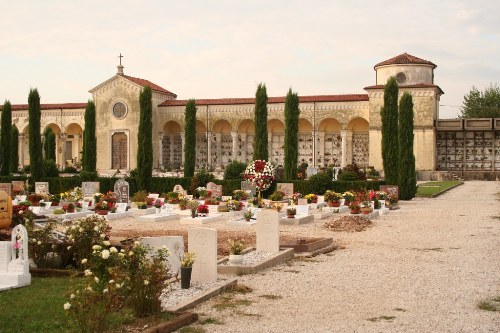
pixel 334 130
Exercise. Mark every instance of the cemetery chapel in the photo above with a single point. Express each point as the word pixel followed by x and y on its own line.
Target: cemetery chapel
pixel 334 130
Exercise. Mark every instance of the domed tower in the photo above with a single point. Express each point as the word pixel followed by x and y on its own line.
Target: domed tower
pixel 416 76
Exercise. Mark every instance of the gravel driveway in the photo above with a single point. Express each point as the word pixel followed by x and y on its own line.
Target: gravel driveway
pixel 422 268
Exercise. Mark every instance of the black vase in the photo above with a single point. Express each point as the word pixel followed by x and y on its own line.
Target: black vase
pixel 186 277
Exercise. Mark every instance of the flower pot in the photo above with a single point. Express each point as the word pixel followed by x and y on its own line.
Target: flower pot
pixel 55 203
pixel 173 201
pixel 333 203
pixel 158 210
pixel 236 259
pixel 347 203
pixel 186 277
pixel 193 214
pixel 354 211
pixel 290 216
pixel 102 212
pixel 366 210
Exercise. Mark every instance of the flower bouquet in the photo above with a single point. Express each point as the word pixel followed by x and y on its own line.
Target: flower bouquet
pixel 202 210
pixel 261 173
pixel 311 198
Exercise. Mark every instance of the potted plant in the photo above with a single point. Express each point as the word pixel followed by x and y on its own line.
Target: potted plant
pixel 236 248
pixel 173 197
pixel 55 199
pixel 35 199
pixel 348 198
pixel 366 207
pixel 202 210
pixel 69 207
pixel 193 206
pixel 295 198
pixel 158 204
pixel 103 207
pixel 248 215
pixel 333 198
pixel 183 203
pixel 290 213
pixel 202 192
pixel 354 207
pixel 240 195
pixel 186 269
pixel 312 198
pixel 391 201
pixel 98 196
pixel 277 196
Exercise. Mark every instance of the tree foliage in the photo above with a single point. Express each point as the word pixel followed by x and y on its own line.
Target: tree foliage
pixel 260 150
pixel 35 140
pixel 89 139
pixel 292 113
pixel 5 139
pixel 190 138
pixel 14 160
pixel 482 104
pixel 49 144
pixel 389 117
pixel 407 173
pixel 145 139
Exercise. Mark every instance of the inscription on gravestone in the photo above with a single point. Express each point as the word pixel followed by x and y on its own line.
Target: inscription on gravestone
pixel 122 191
pixel 42 188
pixel 286 188
pixel 90 188
pixel 248 186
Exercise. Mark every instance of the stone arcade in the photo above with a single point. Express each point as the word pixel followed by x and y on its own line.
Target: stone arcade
pixel 333 129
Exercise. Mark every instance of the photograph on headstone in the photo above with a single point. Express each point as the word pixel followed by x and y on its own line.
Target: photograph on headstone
pixel 42 188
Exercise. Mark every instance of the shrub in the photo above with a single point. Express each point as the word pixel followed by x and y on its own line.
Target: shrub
pixel 201 178
pixel 50 168
pixel 88 175
pixel 70 169
pixel 319 183
pixel 348 176
pixel 39 243
pixel 234 170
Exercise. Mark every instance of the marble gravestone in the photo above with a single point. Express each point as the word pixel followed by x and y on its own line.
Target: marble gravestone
pixel 122 189
pixel 90 188
pixel 215 189
pixel 42 188
pixel 248 186
pixel 286 188
pixel 175 244
pixel 268 231
pixel 17 186
pixel 179 189
pixel 203 242
pixel 14 265
pixel 6 187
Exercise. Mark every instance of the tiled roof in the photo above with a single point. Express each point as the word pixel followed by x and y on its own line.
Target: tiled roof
pixel 144 83
pixel 419 85
pixel 21 107
pixel 403 59
pixel 303 99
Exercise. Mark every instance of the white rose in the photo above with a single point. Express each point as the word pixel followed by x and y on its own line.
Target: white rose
pixel 105 290
pixel 96 228
pixel 89 288
pixel 137 243
pixel 113 249
pixel 72 296
pixel 96 279
pixel 105 254
pixel 39 242
pixel 84 260
pixel 131 253
pixel 121 255
pixel 111 281
pixel 80 230
pixel 67 306
pixel 146 282
pixel 96 247
pixel 103 236
pixel 106 243
pixel 69 247
pixel 87 272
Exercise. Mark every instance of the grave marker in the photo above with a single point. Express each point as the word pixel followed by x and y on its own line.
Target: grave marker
pixel 301 201
pixel 42 188
pixel 90 188
pixel 175 245
pixel 203 242
pixel 5 209
pixel 302 209
pixel 268 231
pixel 121 207
pixel 17 186
pixel 286 188
pixel 248 186
pixel 390 189
pixel 215 189
pixel 6 187
pixel 122 191
pixel 179 189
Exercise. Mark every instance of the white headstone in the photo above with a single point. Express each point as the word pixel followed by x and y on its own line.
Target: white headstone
pixel 286 188
pixel 215 189
pixel 5 256
pixel 302 209
pixel 6 187
pixel 248 186
pixel 154 195
pixel 175 245
pixel 203 242
pixel 121 207
pixel 268 231
pixel 90 188
pixel 301 201
pixel 42 188
pixel 179 189
pixel 122 189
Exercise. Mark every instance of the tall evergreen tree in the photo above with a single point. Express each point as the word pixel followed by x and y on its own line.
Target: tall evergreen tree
pixel 260 150
pixel 51 146
pixel 5 139
pixel 89 138
pixel 389 117
pixel 407 172
pixel 14 160
pixel 46 150
pixel 145 140
pixel 190 138
pixel 292 113
pixel 35 140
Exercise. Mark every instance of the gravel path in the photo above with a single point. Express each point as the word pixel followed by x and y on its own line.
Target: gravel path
pixel 422 268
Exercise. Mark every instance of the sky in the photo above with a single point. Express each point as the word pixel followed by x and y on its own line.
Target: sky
pixel 222 49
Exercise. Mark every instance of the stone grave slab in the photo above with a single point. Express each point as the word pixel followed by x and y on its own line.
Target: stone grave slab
pixel 175 245
pixel 158 217
pixel 201 220
pixel 90 188
pixel 42 188
pixel 203 242
pixel 302 209
pixel 141 212
pixel 215 189
pixel 322 214
pixel 122 190
pixel 277 258
pixel 371 216
pixel 301 201
pixel 268 231
pixel 241 223
pixel 341 209
pixel 383 210
pixel 118 215
pixel 286 188
pixel 6 187
pixel 297 220
pixel 70 216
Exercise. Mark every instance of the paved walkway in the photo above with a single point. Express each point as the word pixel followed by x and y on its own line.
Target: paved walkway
pixel 423 268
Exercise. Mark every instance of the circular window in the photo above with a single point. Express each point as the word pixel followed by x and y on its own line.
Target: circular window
pixel 401 77
pixel 119 110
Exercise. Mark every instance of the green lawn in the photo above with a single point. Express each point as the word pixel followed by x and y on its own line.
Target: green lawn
pixel 431 189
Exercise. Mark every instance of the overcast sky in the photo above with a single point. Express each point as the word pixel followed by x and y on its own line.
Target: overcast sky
pixel 214 49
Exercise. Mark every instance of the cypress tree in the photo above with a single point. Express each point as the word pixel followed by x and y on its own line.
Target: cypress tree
pixel 145 140
pixel 389 116
pixel 14 159
pixel 5 139
pixel 190 138
pixel 51 146
pixel 46 150
pixel 89 138
pixel 407 172
pixel 260 150
pixel 35 140
pixel 292 113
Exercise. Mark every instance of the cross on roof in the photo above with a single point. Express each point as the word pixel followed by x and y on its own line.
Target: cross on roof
pixel 120 56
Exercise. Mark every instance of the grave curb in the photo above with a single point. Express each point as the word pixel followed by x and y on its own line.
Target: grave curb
pixel 285 254
pixel 310 247
pixel 203 296
pixel 181 320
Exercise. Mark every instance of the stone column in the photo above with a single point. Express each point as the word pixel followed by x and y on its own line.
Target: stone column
pixel 209 149
pixel 243 147
pixel 21 145
pixel 343 162
pixel 234 137
pixel 77 140
pixel 218 138
pixel 63 137
pixel 182 146
pixel 172 147
pixel 160 150
pixel 321 136
pixel 350 155
pixel 270 145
